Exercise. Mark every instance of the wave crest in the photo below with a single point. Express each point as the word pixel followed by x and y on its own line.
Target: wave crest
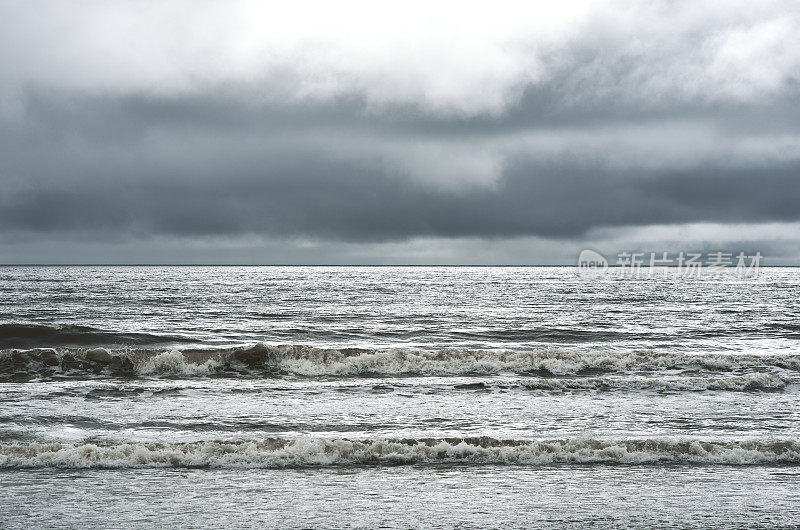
pixel 277 452
pixel 309 361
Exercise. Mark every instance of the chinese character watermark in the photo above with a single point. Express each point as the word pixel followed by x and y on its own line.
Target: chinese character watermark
pixel 638 265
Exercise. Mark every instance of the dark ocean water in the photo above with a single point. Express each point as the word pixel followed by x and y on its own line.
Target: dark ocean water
pixel 397 396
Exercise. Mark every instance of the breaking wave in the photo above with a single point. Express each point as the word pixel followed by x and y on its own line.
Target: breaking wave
pixel 308 361
pixel 300 452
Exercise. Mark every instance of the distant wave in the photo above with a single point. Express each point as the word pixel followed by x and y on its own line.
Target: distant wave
pixel 545 335
pixel 300 452
pixel 347 362
pixel 13 335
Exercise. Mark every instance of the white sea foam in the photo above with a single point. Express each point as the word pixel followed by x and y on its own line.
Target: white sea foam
pixel 270 453
pixel 315 362
pixel 174 362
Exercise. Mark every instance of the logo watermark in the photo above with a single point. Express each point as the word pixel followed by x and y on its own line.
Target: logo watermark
pixel 640 265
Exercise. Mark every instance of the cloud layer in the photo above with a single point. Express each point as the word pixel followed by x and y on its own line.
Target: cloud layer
pixel 124 125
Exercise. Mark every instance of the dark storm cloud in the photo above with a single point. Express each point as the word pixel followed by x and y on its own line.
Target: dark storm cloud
pixel 213 164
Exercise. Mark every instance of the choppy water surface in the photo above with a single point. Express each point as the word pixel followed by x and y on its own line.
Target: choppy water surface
pixel 397 396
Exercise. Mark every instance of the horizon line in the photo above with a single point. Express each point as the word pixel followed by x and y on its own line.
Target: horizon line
pixel 328 265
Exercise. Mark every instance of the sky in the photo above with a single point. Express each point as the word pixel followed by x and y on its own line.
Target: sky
pixel 248 132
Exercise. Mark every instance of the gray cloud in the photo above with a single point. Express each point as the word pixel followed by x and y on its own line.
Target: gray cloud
pixel 699 126
pixel 214 165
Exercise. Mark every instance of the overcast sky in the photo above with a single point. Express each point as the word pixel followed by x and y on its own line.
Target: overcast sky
pixel 349 132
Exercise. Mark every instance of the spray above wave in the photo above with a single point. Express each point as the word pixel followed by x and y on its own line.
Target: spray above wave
pixel 278 452
pixel 14 335
pixel 262 359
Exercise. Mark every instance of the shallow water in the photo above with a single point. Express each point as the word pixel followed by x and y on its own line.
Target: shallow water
pixel 408 496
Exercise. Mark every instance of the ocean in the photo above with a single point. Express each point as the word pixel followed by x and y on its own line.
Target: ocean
pixel 403 397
